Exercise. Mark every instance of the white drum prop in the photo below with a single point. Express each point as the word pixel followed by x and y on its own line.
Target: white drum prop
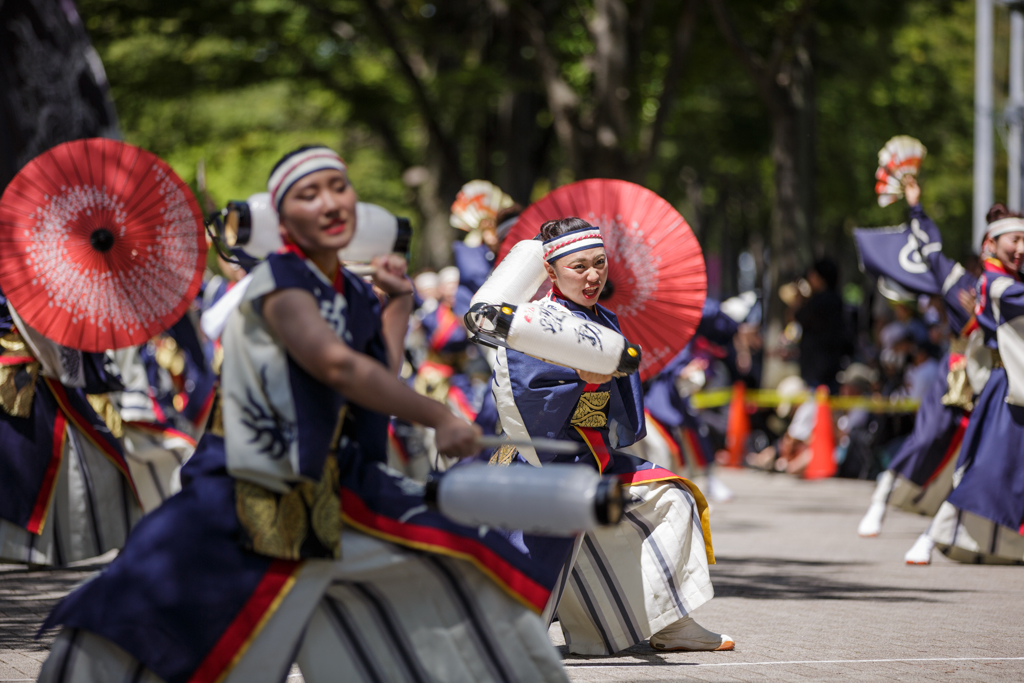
pixel 552 334
pixel 517 278
pixel 554 500
pixel 378 233
pixel 251 225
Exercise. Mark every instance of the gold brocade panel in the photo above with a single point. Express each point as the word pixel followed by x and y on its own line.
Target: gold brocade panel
pixel 106 410
pixel 592 409
pixel 303 523
pixel 17 379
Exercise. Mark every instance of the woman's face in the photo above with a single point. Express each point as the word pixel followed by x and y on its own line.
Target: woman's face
pixel 1009 249
pixel 580 276
pixel 319 211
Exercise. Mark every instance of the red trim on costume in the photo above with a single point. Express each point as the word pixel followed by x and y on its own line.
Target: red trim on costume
pixel 994 265
pixel 695 446
pixel 445 370
pixel 84 426
pixel 595 441
pixel 16 360
pixel 245 624
pixel 587 388
pixel 426 537
pixel 954 444
pixel 447 323
pixel 39 511
pixel 397 444
pixel 158 412
pixel 673 447
pixel 204 412
pixel 458 397
pixel 162 430
pixel 647 476
pixel 291 248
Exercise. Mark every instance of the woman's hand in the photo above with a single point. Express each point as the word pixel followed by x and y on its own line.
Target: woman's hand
pixel 457 438
pixel 593 377
pixel 389 275
pixel 911 190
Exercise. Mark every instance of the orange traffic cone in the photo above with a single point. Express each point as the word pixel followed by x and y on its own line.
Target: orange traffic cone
pixel 738 428
pixel 823 441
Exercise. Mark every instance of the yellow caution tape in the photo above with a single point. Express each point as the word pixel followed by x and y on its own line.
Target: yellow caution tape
pixel 769 398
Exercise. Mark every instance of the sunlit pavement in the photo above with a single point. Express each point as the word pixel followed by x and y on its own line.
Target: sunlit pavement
pixel 801 594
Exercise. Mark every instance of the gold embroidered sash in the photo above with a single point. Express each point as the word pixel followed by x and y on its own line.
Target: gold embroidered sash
pixel 305 522
pixel 17 379
pixel 592 409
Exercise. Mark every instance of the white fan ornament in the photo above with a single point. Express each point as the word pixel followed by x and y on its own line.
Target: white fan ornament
pixel 477 200
pixel 901 156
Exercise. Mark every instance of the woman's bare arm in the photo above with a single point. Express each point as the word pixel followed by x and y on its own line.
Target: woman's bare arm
pixel 294 319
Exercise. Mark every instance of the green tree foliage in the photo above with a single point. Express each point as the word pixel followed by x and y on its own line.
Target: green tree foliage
pixel 421 97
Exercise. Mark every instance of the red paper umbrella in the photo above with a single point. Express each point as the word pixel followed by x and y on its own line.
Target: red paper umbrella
pixel 101 245
pixel 655 262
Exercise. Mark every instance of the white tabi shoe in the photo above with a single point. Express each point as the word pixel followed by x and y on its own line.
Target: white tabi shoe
pixel 686 635
pixel 921 551
pixel 717 491
pixel 871 524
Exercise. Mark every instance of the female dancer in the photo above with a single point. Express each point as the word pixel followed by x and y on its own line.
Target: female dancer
pixel 641 579
pixel 291 540
pixel 66 493
pixel 920 475
pixel 983 518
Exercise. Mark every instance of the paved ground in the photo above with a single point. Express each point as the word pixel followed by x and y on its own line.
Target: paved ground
pixel 803 597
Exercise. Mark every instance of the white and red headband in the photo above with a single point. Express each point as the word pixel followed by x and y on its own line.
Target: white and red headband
pixel 298 166
pixel 571 242
pixel 1003 226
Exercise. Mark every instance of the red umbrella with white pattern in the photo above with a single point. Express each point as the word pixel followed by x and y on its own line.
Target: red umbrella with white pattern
pixel 101 244
pixel 656 266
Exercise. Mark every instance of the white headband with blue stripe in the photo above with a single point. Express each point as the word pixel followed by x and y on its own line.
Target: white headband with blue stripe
pixel 571 242
pixel 297 167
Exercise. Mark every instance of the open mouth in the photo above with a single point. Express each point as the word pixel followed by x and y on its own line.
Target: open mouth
pixel 590 292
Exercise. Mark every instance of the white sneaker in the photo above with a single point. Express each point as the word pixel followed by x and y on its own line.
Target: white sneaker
pixel 687 635
pixel 871 524
pixel 717 491
pixel 921 551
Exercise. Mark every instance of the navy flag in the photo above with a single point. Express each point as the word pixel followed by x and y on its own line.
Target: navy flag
pixel 901 254
pixel 911 255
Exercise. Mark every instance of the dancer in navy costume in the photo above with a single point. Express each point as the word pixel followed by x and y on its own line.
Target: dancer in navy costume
pixel 677 437
pixel 257 563
pixel 641 579
pixel 66 493
pixel 920 475
pixel 983 518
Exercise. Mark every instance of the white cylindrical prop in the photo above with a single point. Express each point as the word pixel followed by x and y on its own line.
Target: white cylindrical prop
pixel 376 234
pixel 555 500
pixel 553 334
pixel 252 226
pixel 516 278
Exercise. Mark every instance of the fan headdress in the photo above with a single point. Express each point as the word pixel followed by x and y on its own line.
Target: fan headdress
pixel 296 165
pixel 571 242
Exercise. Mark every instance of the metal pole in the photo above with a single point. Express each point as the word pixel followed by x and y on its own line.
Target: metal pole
pixel 1016 108
pixel 983 164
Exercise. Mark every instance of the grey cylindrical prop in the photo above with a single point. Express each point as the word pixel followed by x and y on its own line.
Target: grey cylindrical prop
pixel 555 500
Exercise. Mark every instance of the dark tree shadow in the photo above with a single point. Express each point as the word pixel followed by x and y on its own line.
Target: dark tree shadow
pixel 27 596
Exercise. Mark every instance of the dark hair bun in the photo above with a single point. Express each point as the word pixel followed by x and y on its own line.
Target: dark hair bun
pixel 553 229
pixel 998 212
